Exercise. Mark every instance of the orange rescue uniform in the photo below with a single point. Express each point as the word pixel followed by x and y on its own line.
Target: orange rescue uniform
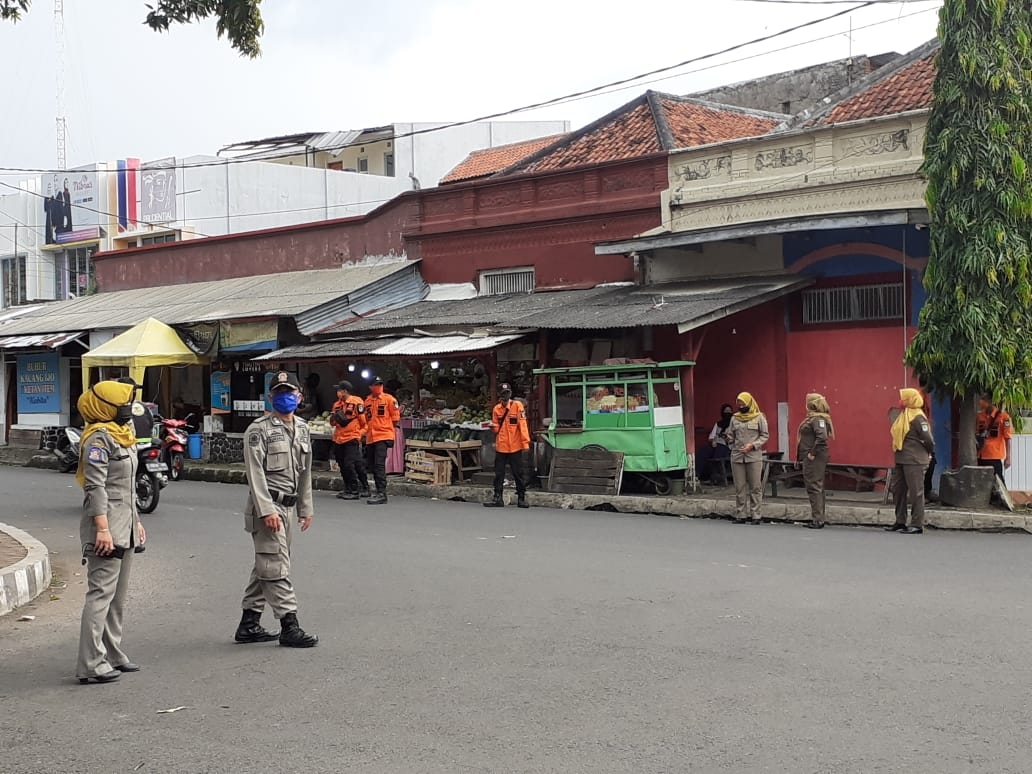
pixel 995 446
pixel 352 408
pixel 510 426
pixel 382 414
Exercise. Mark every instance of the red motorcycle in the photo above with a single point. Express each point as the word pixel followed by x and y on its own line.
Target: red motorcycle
pixel 173 434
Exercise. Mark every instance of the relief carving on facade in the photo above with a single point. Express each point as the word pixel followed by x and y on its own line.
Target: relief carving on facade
pixel 876 144
pixel 502 196
pixel 784 157
pixel 641 179
pixel 443 205
pixel 561 189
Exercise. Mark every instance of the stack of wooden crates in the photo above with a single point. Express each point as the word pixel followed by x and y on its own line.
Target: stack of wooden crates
pixel 428 468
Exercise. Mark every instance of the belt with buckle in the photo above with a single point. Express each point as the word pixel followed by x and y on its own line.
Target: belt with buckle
pixel 285 500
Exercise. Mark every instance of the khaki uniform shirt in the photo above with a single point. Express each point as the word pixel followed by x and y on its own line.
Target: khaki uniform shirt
pixel 277 457
pixel 813 438
pixel 110 489
pixel 918 444
pixel 743 432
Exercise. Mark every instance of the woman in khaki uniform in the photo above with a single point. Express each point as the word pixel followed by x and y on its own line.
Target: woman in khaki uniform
pixel 746 435
pixel 913 446
pixel 110 527
pixel 812 453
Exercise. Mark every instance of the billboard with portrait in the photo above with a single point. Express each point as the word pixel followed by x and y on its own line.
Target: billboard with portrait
pixel 158 191
pixel 71 206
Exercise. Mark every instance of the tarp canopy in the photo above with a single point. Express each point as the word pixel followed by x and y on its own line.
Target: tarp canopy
pixel 149 343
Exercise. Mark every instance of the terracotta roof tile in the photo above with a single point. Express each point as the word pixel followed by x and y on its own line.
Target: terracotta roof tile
pixel 692 124
pixel 488 161
pixel 907 89
pixel 635 130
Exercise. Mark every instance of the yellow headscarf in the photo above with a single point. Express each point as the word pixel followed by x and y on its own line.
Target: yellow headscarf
pixel 911 402
pixel 817 406
pixel 100 416
pixel 749 401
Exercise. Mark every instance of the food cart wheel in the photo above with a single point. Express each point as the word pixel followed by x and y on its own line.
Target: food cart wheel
pixel 662 484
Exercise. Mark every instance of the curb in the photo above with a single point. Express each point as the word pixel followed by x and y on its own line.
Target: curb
pixel 24 581
pixel 697 507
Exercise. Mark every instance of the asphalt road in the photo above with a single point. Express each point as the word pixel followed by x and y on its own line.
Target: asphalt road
pixel 456 638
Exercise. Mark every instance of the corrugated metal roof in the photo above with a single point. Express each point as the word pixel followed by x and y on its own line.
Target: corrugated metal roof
pixel 51 340
pixel 406 346
pixel 688 304
pixel 287 294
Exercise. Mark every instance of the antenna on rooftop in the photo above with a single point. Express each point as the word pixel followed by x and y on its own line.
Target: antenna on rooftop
pixel 59 41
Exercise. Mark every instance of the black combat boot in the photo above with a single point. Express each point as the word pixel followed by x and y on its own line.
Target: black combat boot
pixel 250 628
pixel 495 502
pixel 293 636
pixel 521 501
pixel 380 498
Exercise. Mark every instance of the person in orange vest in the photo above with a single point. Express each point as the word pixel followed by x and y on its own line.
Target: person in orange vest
pixel 512 439
pixel 349 425
pixel 383 417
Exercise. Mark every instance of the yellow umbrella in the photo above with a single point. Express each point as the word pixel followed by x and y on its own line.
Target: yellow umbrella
pixel 149 343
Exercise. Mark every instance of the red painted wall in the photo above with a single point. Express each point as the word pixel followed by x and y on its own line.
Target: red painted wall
pixel 320 245
pixel 551 222
pixel 860 371
pixel 741 353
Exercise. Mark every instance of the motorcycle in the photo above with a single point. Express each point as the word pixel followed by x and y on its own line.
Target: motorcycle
pixel 174 435
pixel 67 449
pixel 150 476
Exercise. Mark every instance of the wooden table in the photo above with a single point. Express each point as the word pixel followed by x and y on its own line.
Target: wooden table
pixel 464 455
pixel 869 476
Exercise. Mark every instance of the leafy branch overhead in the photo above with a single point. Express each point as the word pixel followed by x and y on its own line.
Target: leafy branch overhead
pixel 239 21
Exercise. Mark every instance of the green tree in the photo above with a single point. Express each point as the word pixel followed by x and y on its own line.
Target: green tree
pixel 975 332
pixel 240 21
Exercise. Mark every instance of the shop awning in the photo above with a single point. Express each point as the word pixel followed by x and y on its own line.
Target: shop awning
pixel 150 343
pixel 406 346
pixel 48 340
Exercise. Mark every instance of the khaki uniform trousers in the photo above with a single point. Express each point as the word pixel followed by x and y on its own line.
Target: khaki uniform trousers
pixel 748 477
pixel 813 479
pixel 908 485
pixel 100 631
pixel 270 576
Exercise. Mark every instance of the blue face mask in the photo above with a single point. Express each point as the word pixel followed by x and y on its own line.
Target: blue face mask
pixel 285 401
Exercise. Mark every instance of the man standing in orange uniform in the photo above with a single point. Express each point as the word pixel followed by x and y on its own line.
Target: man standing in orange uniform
pixel 383 417
pixel 512 438
pixel 994 436
pixel 349 425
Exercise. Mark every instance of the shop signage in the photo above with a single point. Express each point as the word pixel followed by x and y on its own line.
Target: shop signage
pixel 39 384
pixel 220 391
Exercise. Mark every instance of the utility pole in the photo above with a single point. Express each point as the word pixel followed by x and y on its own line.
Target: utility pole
pixel 59 40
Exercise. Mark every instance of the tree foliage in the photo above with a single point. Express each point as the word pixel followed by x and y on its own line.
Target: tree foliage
pixel 975 330
pixel 239 21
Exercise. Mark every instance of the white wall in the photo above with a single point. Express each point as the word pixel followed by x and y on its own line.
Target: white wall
pixel 433 155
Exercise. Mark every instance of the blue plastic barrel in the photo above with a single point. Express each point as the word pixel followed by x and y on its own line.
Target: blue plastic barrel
pixel 193 446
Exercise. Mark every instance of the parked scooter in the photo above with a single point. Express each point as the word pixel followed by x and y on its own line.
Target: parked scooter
pixel 174 434
pixel 151 476
pixel 67 449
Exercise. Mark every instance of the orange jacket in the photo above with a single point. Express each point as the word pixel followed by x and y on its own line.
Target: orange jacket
pixel 353 409
pixel 509 423
pixel 382 416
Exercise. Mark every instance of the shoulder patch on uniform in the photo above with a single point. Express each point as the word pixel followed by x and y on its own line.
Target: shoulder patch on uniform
pixel 254 440
pixel 361 408
pixel 97 454
pixel 924 427
pixel 820 423
pixel 1006 423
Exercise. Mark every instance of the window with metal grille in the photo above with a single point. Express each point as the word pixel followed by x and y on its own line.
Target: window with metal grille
pixel 854 303
pixel 499 283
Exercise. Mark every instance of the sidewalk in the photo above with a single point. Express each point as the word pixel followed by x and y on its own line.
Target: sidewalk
pixel 24 568
pixel 718 503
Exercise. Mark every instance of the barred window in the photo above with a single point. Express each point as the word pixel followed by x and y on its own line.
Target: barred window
pixel 499 283
pixel 854 303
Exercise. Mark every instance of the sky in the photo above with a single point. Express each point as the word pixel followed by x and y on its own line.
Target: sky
pixel 341 64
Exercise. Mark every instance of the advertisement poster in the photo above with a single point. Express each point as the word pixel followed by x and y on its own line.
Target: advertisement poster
pixel 158 191
pixel 39 384
pixel 71 206
pixel 220 391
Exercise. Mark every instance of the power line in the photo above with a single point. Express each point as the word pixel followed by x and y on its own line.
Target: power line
pixel 534 106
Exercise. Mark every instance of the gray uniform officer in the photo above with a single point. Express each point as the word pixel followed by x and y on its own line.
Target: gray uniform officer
pixel 278 462
pixel 812 453
pixel 746 435
pixel 913 446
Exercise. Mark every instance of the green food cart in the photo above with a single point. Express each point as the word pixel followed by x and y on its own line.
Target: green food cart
pixel 635 409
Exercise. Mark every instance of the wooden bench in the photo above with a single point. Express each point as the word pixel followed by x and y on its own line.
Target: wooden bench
pixel 865 477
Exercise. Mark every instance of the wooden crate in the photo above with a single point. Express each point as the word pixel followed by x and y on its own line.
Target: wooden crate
pixel 586 471
pixel 428 468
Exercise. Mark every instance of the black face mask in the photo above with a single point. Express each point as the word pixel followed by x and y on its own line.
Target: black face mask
pixel 123 413
pixel 743 409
